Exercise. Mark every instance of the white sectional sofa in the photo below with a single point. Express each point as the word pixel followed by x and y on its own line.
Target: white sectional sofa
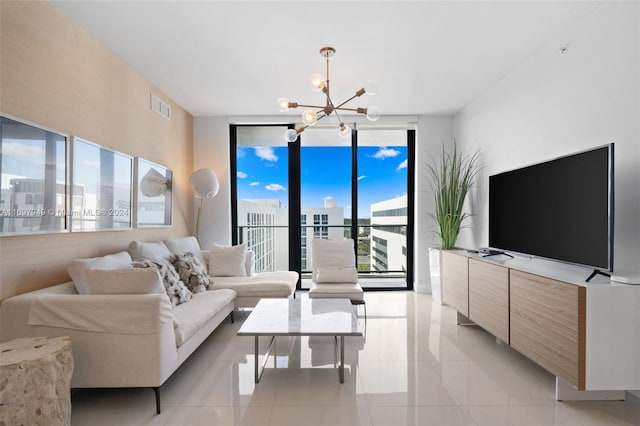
pixel 133 340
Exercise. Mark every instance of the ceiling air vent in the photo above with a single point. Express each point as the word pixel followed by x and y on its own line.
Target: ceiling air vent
pixel 160 107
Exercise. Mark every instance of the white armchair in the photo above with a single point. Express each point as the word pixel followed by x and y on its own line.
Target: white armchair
pixel 334 273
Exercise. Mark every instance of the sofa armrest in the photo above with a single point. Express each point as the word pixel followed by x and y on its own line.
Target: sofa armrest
pixel 127 314
pixel 113 355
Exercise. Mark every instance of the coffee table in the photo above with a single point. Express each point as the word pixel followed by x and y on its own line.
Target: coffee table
pixel 301 317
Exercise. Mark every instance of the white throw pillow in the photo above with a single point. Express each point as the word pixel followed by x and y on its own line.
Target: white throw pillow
pixel 124 281
pixel 185 245
pixel 248 264
pixel 337 275
pixel 248 261
pixel 78 267
pixel 228 261
pixel 154 251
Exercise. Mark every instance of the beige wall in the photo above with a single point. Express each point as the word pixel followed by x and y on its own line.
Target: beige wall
pixel 54 74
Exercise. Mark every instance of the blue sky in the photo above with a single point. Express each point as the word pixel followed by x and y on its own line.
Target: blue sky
pixel 325 172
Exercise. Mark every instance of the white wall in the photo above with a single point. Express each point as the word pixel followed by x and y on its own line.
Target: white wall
pixel 211 149
pixel 432 134
pixel 556 104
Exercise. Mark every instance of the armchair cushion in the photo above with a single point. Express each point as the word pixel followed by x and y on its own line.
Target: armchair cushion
pixel 351 291
pixel 337 275
pixel 331 254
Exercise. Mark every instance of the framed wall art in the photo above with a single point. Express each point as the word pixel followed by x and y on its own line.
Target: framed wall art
pixel 33 173
pixel 102 190
pixel 153 194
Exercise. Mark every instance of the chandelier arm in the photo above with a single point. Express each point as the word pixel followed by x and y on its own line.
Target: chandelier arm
pixel 358 110
pixel 347 101
pixel 310 106
pixel 338 115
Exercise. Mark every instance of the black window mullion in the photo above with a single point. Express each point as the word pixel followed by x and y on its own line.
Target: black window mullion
pixel 295 210
pixel 233 172
pixel 411 164
pixel 354 190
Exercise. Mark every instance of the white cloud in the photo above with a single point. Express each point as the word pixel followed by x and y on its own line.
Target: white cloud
pixel 254 184
pixel 362 177
pixel 275 187
pixel 385 152
pixel 266 153
pixel 241 175
pixel 22 150
pixel 402 165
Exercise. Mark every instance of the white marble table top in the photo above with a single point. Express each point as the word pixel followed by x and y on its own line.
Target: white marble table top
pixel 302 317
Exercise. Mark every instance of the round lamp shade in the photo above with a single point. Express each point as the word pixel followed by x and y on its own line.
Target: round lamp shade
pixel 205 183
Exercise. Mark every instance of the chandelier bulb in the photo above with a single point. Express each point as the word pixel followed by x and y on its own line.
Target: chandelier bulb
pixel 317 83
pixel 345 131
pixel 371 87
pixel 291 135
pixel 309 117
pixel 283 104
pixel 373 113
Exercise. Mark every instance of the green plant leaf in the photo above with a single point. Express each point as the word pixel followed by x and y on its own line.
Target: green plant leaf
pixel 451 177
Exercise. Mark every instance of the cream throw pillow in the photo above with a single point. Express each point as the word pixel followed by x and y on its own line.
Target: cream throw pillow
pixel 78 267
pixel 337 275
pixel 124 281
pixel 154 250
pixel 228 261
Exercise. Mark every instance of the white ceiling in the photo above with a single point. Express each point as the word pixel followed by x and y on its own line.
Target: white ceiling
pixel 237 58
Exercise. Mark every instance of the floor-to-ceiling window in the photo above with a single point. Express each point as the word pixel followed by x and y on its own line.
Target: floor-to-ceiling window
pixel 385 213
pixel 260 188
pixel 325 186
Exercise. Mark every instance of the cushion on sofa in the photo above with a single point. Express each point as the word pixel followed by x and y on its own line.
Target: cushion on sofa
pixel 248 261
pixel 337 275
pixel 228 261
pixel 124 281
pixel 185 245
pixel 193 315
pixel 176 290
pixel 263 284
pixel 192 272
pixel 78 267
pixel 154 250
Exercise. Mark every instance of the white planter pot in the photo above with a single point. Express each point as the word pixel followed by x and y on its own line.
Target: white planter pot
pixel 434 272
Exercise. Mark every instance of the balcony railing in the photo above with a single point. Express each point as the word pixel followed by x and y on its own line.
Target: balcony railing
pixel 270 244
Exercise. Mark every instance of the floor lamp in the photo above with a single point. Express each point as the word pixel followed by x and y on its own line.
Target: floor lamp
pixel 205 185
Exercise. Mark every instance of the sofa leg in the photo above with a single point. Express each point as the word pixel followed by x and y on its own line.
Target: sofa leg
pixel 157 392
pixel 232 317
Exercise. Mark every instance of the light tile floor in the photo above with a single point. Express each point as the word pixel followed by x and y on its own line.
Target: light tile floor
pixel 415 366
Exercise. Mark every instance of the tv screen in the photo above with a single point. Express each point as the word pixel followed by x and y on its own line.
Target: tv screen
pixel 561 209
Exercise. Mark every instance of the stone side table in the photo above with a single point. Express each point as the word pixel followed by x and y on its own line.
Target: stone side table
pixel 35 381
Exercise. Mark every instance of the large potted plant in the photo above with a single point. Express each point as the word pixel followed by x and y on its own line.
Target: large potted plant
pixel 452 175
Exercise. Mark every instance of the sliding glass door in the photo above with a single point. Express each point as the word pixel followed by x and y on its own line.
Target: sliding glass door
pixel 260 162
pixel 325 186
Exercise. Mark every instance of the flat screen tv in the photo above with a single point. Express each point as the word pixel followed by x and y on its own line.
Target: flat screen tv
pixel 560 209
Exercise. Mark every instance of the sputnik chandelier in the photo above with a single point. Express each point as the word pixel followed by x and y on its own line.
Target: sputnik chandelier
pixel 313 113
